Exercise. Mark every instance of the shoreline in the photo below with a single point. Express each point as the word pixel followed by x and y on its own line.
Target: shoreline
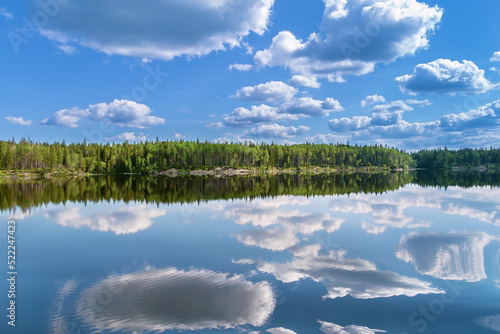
pixel 216 172
pixel 23 175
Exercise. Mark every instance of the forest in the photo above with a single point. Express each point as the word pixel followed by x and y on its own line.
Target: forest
pixel 466 157
pixel 149 157
pixel 156 156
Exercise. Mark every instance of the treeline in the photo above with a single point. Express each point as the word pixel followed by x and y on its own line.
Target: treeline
pixel 466 157
pixel 147 157
pixel 164 190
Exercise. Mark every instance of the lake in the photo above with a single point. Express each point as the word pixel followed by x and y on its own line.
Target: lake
pixel 332 253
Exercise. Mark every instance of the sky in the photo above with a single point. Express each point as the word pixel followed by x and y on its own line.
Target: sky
pixel 404 73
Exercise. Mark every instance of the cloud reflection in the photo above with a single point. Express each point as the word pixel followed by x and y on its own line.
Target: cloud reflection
pixel 280 228
pixel 167 299
pixel 389 210
pixel 449 256
pixel 343 276
pixel 125 220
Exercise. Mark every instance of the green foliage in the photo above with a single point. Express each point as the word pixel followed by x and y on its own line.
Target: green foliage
pixel 149 157
pixel 466 157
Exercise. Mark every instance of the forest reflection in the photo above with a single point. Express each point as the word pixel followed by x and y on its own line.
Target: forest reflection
pixel 24 195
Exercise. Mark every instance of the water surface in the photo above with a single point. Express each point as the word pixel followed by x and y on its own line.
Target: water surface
pixel 365 253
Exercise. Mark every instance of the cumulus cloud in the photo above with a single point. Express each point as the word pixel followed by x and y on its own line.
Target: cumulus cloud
pixel 128 136
pixel 496 56
pixel 276 131
pixel 18 120
pixel 486 116
pixel 307 106
pixel 345 124
pixel 344 276
pixel 354 37
pixel 330 328
pixel 269 92
pixel 449 256
pixel 386 121
pixel 126 220
pixel 473 128
pixel 300 80
pixel 256 114
pixel 445 76
pixel 161 30
pixel 123 113
pixel 372 99
pixel 171 299
pixel 241 67
pixel 215 125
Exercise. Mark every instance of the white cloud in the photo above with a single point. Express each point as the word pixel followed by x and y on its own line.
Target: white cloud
pixel 5 13
pixel 276 131
pixel 241 67
pixel 448 256
pixel 326 138
pixel 330 328
pixel 445 76
pixel 18 120
pixel 67 118
pixel 300 80
pixel 421 103
pixel 386 121
pixel 473 128
pixel 343 276
pixel 158 300
pixel 345 124
pixel 67 49
pixel 486 116
pixel 123 113
pixel 128 136
pixel 270 92
pixel 215 125
pixel 496 56
pixel 306 106
pixel 354 37
pixel 126 220
pixel 280 330
pixel 257 114
pixel 161 30
pixel 179 136
pixel 372 99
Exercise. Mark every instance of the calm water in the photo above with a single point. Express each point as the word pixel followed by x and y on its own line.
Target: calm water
pixel 394 253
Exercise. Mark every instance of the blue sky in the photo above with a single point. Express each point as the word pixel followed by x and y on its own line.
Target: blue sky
pixel 407 73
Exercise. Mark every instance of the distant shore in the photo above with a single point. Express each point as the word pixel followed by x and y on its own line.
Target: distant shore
pixel 222 172
pixel 173 172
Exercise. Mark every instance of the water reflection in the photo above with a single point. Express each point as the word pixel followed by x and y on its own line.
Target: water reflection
pixel 344 276
pixel 280 224
pixel 159 300
pixel 125 220
pixel 450 256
